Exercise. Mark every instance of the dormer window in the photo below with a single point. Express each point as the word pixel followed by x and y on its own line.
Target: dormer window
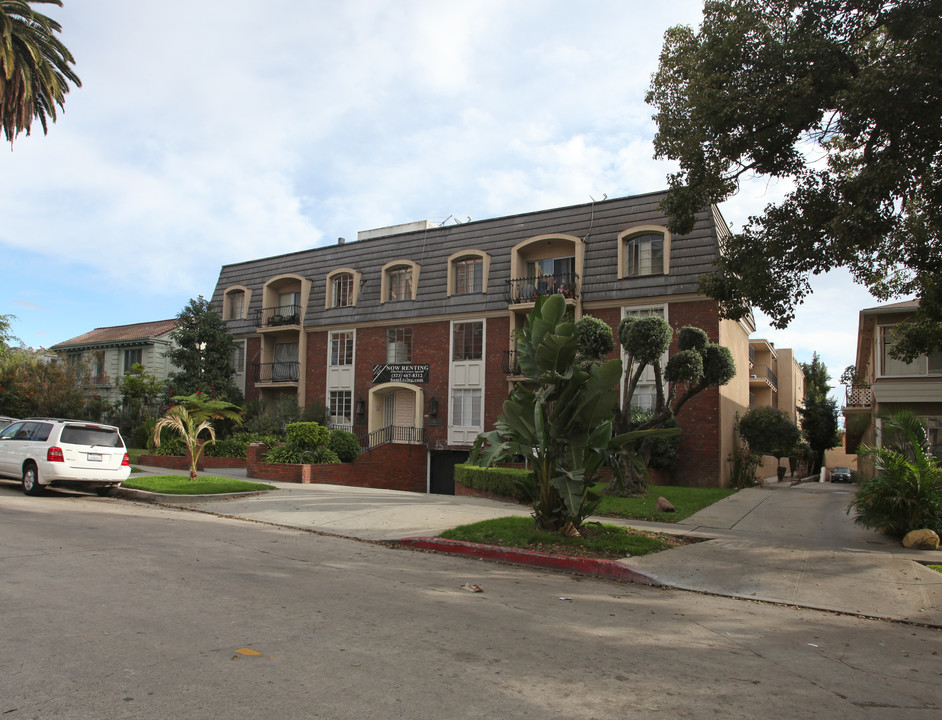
pixel 400 280
pixel 235 303
pixel 644 251
pixel 343 290
pixel 467 272
pixel 343 286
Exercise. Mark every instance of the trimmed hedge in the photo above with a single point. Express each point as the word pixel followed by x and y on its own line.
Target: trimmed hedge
pixel 501 481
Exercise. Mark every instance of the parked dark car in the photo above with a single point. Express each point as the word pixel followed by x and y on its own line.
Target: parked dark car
pixel 841 475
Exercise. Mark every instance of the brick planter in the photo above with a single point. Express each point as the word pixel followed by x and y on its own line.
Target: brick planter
pixel 388 467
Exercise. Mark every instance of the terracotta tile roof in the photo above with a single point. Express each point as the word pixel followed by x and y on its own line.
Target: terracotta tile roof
pixel 119 333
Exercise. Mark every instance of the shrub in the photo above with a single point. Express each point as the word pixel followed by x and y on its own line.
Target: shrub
pixel 506 482
pixel 905 493
pixel 236 446
pixel 345 444
pixel 171 446
pixel 307 435
pixel 283 454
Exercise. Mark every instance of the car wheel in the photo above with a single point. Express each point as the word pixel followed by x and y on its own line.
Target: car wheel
pixel 31 484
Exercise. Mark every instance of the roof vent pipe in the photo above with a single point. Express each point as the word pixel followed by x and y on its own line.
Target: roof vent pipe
pixel 341 241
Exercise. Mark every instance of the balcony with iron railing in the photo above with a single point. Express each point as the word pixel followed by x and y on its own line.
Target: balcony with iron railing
pixel 763 374
pixel 510 363
pixel 102 380
pixel 278 316
pixel 527 290
pixel 277 372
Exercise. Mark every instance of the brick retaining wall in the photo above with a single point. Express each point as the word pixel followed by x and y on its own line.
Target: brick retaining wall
pixel 388 467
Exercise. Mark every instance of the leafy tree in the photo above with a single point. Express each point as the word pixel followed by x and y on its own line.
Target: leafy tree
pixel 840 98
pixel 6 334
pixel 32 385
pixel 179 420
pixel 34 67
pixel 203 352
pixel 769 431
pixel 819 425
pixel 560 419
pixel 905 492
pixel 141 393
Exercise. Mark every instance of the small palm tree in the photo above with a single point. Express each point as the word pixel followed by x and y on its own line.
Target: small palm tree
pixel 179 419
pixel 34 67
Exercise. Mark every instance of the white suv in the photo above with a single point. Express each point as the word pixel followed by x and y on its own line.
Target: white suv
pixel 50 451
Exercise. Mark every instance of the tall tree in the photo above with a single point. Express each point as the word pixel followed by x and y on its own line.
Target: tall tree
pixel 769 431
pixel 818 412
pixel 842 98
pixel 203 352
pixel 35 67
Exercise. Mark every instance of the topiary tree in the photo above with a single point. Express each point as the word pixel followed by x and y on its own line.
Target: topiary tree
pixel 595 340
pixel 697 365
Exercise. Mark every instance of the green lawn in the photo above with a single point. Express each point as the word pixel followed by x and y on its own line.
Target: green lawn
pixel 686 500
pixel 605 541
pixel 182 485
pixel 937 568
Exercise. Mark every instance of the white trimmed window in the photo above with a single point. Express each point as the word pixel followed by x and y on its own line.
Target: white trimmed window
pixel 644 251
pixel 645 394
pixel 466 407
pixel 399 345
pixel 341 348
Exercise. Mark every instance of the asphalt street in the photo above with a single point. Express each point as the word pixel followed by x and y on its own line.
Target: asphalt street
pixel 115 609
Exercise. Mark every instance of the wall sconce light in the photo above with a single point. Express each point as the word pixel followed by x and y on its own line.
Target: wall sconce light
pixel 361 406
pixel 433 407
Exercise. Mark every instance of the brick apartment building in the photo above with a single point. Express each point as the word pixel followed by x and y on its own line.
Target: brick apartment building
pixel 407 334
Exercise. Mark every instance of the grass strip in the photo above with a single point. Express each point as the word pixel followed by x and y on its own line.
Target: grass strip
pixel 599 540
pixel 686 501
pixel 182 485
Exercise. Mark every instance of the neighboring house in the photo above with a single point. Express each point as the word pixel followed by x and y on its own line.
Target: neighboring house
pixel 408 334
pixel 110 352
pixel 885 385
pixel 775 380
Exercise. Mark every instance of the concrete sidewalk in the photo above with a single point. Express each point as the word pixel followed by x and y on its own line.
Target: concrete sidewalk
pixel 793 545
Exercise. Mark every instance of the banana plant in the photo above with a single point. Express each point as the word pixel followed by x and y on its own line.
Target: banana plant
pixel 560 419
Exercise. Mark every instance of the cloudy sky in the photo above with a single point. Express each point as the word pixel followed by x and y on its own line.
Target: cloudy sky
pixel 208 132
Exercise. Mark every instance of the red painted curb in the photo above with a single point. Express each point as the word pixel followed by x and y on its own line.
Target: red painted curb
pixel 583 566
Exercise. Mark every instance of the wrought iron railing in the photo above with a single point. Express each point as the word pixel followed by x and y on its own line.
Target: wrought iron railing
pixel 511 363
pixel 396 434
pixel 388 434
pixel 523 290
pixel 764 372
pixel 103 380
pixel 277 372
pixel 858 396
pixel 275 316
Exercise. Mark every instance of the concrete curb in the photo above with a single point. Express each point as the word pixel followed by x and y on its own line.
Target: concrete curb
pixel 611 569
pixel 175 499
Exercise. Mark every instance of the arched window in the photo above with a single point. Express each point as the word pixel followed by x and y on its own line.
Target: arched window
pixel 644 251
